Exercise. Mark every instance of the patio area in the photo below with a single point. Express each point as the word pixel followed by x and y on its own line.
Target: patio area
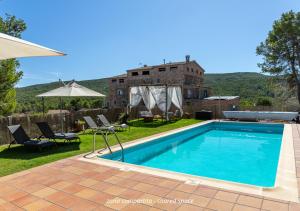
pixel 71 184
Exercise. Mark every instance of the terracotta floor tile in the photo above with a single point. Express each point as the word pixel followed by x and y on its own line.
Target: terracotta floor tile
pixel 73 188
pixel 38 205
pixel 116 203
pixel 44 192
pixel 11 196
pixel 154 209
pixel 101 198
pixel 131 194
pixel 60 185
pixel 33 188
pixel 86 193
pixel 88 182
pixel 25 200
pixel 136 207
pixel 126 174
pixel 2 201
pixel 168 184
pixel 101 186
pixel 201 201
pixel 159 191
pixel 186 188
pixel 63 199
pixel 127 183
pixel 294 206
pixel 178 195
pixel 9 207
pixel 102 208
pixel 84 205
pixel 143 187
pixel 239 207
pixel 167 204
pixel 148 199
pixel 53 207
pixel 276 206
pixel 114 180
pixel 205 191
pixel 189 207
pixel 114 190
pixel 219 205
pixel 249 201
pixel 226 196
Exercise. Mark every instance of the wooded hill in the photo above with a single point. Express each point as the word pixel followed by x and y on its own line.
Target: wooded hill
pixel 248 85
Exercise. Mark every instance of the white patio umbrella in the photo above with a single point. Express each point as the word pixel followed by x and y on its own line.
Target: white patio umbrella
pixel 72 89
pixel 12 47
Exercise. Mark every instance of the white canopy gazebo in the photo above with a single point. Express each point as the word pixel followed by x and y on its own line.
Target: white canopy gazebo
pixel 161 95
pixel 71 89
pixel 12 47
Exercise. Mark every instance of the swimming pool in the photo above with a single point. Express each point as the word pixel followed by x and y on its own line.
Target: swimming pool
pixel 245 153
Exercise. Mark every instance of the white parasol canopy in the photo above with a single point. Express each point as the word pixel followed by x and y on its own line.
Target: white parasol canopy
pixel 12 47
pixel 72 89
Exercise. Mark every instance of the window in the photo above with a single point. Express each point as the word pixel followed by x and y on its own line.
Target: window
pixel 173 68
pixel 135 73
pixel 161 69
pixel 121 80
pixel 192 70
pixel 200 73
pixel 189 93
pixel 120 92
pixel 146 72
pixel 205 94
pixel 114 80
pixel 188 69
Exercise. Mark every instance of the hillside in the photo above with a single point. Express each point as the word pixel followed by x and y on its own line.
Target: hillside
pixel 247 85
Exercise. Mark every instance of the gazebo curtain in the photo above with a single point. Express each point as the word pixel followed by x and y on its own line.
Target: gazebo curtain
pixel 156 95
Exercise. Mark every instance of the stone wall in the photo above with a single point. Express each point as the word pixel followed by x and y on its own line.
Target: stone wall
pixel 54 120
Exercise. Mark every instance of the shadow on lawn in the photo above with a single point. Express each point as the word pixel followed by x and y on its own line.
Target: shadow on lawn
pixel 154 124
pixel 20 152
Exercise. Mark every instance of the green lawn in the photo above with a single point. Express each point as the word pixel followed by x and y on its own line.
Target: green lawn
pixel 17 158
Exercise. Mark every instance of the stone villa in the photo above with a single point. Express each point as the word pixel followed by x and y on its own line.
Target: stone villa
pixel 187 74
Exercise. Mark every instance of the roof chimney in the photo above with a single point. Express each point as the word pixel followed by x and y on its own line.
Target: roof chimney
pixel 187 58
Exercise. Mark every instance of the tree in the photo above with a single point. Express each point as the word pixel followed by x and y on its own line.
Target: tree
pixel 262 101
pixel 281 50
pixel 9 75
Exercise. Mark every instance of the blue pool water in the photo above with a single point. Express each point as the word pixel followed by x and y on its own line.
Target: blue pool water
pixel 239 152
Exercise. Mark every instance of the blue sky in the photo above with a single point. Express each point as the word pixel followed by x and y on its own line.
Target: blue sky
pixel 105 38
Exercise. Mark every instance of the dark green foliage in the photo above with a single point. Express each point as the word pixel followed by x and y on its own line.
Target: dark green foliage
pixel 262 101
pixel 281 50
pixel 9 75
pixel 249 86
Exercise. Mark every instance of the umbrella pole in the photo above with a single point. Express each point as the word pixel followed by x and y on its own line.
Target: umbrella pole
pixel 43 101
pixel 61 116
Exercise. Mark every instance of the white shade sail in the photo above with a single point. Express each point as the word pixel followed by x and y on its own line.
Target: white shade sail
pixel 156 95
pixel 71 89
pixel 12 47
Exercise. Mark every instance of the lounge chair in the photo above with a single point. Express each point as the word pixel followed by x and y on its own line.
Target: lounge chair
pixel 91 123
pixel 107 124
pixel 20 137
pixel 48 133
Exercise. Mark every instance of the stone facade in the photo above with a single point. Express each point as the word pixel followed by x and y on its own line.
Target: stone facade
pixel 189 75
